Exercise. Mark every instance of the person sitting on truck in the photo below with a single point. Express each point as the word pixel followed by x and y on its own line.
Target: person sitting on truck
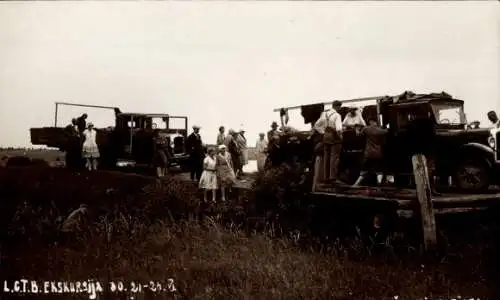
pixel 330 126
pixel 492 116
pixel 90 150
pixel 82 123
pixel 373 158
pixel 354 118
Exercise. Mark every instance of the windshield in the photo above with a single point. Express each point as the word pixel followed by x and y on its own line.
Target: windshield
pixel 449 113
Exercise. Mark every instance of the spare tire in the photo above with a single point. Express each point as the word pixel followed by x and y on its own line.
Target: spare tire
pixel 472 174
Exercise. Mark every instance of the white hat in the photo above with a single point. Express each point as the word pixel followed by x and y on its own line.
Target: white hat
pixel 222 147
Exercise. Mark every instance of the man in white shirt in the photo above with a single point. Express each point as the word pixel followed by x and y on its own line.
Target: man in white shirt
pixel 330 126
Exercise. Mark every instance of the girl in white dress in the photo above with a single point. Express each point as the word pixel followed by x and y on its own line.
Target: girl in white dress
pixel 208 179
pixel 90 150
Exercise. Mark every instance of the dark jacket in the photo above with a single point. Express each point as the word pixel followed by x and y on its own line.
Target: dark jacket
pixel 81 123
pixel 194 145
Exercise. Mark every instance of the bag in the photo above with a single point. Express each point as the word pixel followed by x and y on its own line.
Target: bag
pixel 331 135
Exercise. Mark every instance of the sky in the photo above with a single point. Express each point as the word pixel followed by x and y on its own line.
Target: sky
pixel 232 63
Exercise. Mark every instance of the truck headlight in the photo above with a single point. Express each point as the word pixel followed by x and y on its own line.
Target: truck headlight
pixel 491 142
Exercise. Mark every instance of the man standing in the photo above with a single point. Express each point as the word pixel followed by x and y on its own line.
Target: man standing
pixel 82 123
pixel 273 132
pixel 330 126
pixel 73 151
pixel 492 116
pixel 375 140
pixel 221 137
pixel 260 149
pixel 196 152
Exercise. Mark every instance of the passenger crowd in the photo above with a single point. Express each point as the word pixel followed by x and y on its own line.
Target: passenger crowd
pixel 219 167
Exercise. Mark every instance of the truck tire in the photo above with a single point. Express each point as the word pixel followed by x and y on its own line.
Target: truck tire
pixel 472 174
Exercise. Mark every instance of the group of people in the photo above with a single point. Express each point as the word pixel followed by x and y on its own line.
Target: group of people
pixel 330 127
pixel 82 144
pixel 219 167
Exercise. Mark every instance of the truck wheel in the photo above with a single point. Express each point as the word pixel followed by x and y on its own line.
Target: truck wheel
pixel 472 175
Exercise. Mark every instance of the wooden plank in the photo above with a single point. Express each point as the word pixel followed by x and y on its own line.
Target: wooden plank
pixel 404 213
pixel 360 202
pixel 426 212
pixel 383 192
pixel 467 200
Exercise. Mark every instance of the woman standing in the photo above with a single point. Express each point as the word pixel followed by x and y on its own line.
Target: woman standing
pixel 162 155
pixel 235 151
pixel 261 149
pixel 208 179
pixel 241 143
pixel 225 171
pixel 90 150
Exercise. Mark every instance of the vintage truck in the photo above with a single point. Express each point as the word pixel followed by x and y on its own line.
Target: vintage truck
pixel 128 143
pixel 433 124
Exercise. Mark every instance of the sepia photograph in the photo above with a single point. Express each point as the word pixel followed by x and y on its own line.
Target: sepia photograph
pixel 250 150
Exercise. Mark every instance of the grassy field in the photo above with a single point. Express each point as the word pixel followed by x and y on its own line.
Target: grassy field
pixel 161 231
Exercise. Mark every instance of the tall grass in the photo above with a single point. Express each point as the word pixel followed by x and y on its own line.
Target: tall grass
pixel 158 231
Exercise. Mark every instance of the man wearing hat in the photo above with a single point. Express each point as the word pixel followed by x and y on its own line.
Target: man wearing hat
pixel 330 126
pixel 273 139
pixel 273 132
pixel 194 146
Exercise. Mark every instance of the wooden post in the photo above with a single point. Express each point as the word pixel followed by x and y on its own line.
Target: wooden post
pixel 425 201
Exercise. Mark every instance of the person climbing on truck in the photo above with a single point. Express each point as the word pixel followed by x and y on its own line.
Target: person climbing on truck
pixel 373 153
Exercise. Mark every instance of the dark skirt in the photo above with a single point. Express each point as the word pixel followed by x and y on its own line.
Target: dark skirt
pixel 161 158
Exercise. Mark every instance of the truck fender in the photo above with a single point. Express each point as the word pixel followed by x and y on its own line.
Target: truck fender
pixel 477 150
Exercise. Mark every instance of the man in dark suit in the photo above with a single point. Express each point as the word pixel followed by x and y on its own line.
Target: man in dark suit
pixel 73 151
pixel 82 123
pixel 194 146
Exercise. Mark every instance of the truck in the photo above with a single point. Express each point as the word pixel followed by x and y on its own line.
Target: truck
pixel 434 124
pixel 129 143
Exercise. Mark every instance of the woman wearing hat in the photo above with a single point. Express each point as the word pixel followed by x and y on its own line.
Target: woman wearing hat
pixel 90 150
pixel 261 149
pixel 225 172
pixel 242 141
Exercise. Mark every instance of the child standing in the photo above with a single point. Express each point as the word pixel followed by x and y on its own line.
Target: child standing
pixel 208 179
